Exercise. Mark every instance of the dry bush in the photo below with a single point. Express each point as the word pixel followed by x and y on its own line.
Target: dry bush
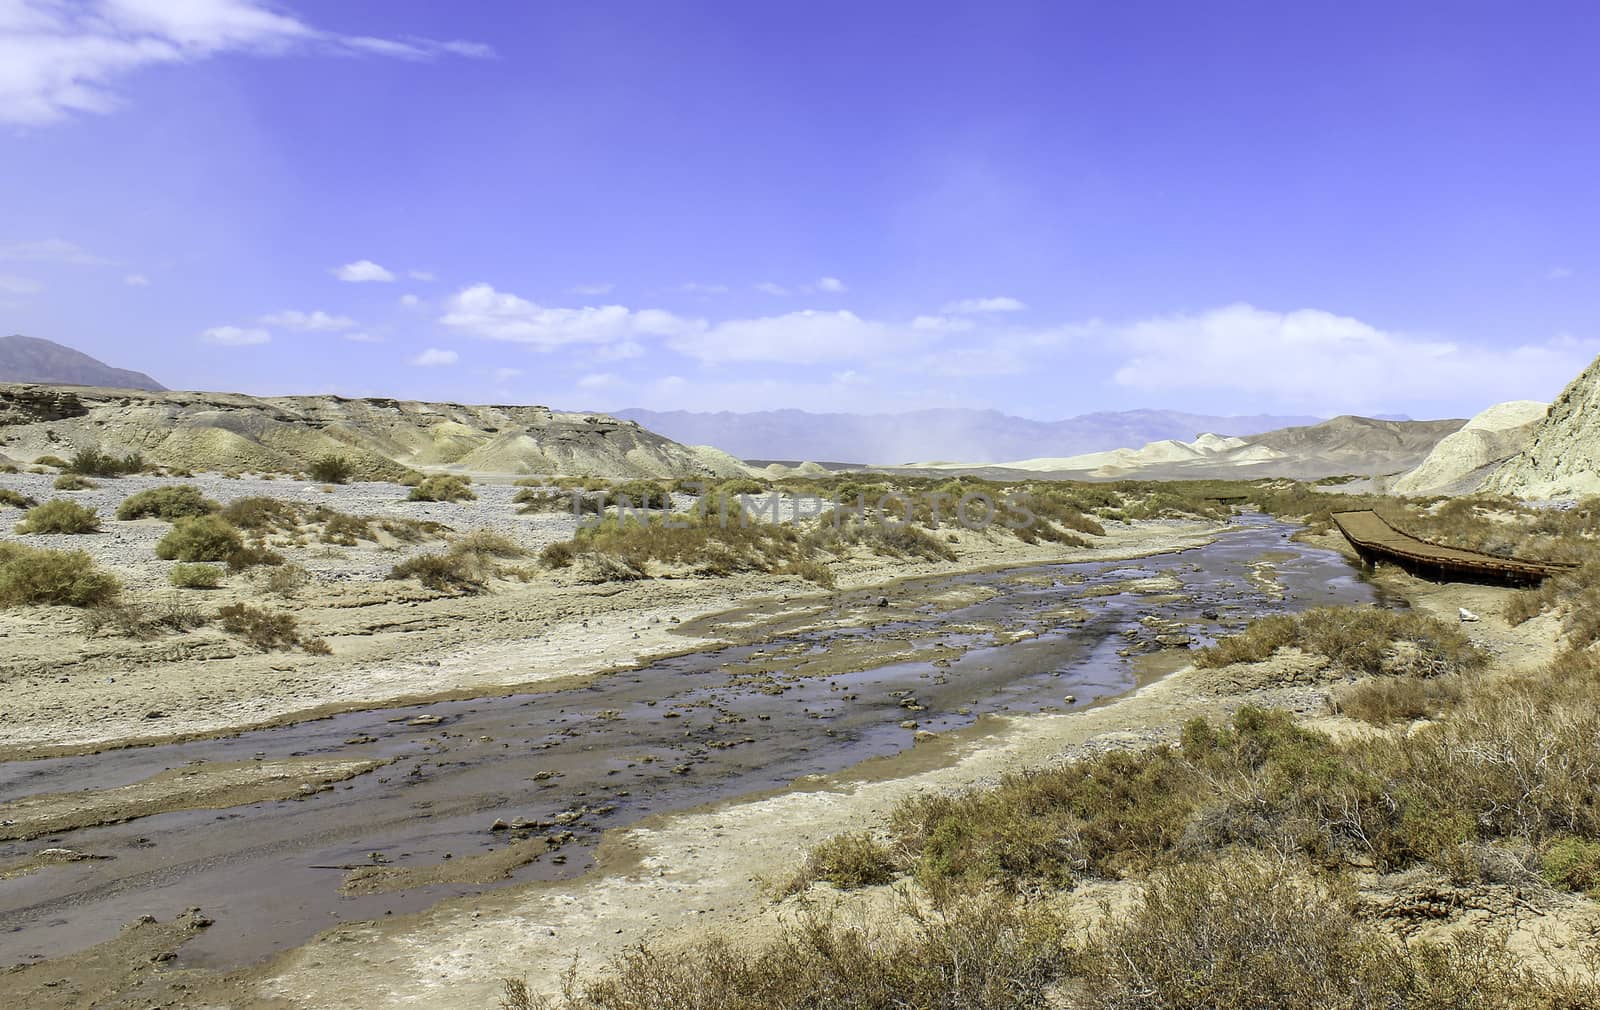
pixel 144 619
pixel 60 516
pixel 641 494
pixel 702 544
pixel 195 576
pixel 33 576
pixel 55 461
pixel 250 557
pixel 261 515
pixel 286 580
pixel 174 502
pixel 16 499
pixel 74 482
pixel 1362 641
pixel 985 952
pixel 443 488
pixel 1384 700
pixel 267 630
pixel 200 538
pixel 466 567
pixel 814 572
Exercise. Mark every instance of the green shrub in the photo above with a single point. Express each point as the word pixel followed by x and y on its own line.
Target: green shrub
pixel 55 461
pixel 60 516
pixel 330 470
pixel 16 499
pixel 638 494
pixel 171 503
pixel 1574 864
pixel 195 576
pixel 94 463
pixel 34 576
pixel 260 514
pixel 250 557
pixel 74 482
pixel 200 538
pixel 286 580
pixel 846 861
pixel 445 488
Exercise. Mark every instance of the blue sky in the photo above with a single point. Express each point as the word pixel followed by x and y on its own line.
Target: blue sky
pixel 1045 208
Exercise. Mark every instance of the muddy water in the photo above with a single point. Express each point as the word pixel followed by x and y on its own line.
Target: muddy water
pixel 707 726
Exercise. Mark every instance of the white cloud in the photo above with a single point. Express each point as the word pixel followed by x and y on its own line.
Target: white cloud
pixel 943 324
pixel 602 288
pixel 234 336
pixel 1325 363
pixel 14 285
pixel 973 306
pixel 316 321
pixel 50 250
pixel 363 271
pixel 362 338
pixel 694 288
pixel 409 301
pixel 136 281
pixel 502 374
pixel 434 357
pixel 425 276
pixel 798 338
pixel 832 285
pixel 598 380
pixel 497 315
pixel 771 288
pixel 58 59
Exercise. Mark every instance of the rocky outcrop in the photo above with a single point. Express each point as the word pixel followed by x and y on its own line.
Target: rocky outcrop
pixel 1458 463
pixel 383 438
pixel 1562 455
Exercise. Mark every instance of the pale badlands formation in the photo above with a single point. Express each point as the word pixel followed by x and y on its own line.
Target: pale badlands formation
pixel 1562 454
pixel 1461 461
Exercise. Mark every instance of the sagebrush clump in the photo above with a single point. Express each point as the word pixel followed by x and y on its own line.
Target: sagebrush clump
pixel 195 576
pixel 200 538
pixel 171 503
pixel 32 576
pixel 60 516
pixel 443 488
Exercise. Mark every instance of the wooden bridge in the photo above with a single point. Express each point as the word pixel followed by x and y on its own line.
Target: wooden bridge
pixel 1374 539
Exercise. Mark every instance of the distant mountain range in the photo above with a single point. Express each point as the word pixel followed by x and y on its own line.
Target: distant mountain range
pixel 940 434
pixel 30 359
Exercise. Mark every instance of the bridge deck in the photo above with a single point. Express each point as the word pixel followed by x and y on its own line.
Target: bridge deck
pixel 1372 537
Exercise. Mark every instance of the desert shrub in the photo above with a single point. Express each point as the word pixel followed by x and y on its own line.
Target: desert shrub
pixel 74 482
pixel 94 463
pixel 1574 864
pixel 846 861
pixel 984 951
pixel 444 488
pixel 558 555
pixel 172 502
pixel 342 528
pixel 641 494
pixel 55 461
pixel 143 620
pixel 267 630
pixel 742 485
pixel 195 576
pixel 542 499
pixel 32 576
pixel 244 557
pixel 286 580
pixel 444 572
pixel 490 543
pixel 701 544
pixel 1359 640
pixel 260 514
pixel 812 571
pixel 1384 700
pixel 200 538
pixel 330 469
pixel 1247 932
pixel 16 499
pixel 60 516
pixel 835 532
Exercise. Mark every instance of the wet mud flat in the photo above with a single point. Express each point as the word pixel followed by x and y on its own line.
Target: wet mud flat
pixel 454 798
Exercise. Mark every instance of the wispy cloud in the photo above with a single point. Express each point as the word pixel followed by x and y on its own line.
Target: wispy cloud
pixel 59 59
pixel 425 276
pixel 977 306
pixel 363 271
pixel 434 357
pixel 696 288
pixel 831 285
pixel 316 321
pixel 1559 273
pixel 235 336
pixel 50 250
pixel 772 288
pixel 136 281
pixel 602 288
pixel 11 284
